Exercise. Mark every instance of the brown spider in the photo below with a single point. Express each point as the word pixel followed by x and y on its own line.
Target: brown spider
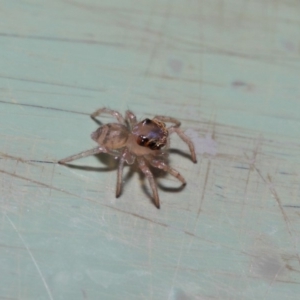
pixel 146 141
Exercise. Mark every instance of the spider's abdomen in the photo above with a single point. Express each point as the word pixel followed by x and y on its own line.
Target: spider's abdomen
pixel 112 135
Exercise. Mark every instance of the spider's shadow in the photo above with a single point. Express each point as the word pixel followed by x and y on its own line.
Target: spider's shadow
pixel 157 174
pixel 181 153
pixel 99 123
pixel 106 159
pixel 111 164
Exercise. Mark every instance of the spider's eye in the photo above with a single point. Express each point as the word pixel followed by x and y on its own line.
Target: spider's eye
pixel 142 140
pixel 152 145
pixel 147 121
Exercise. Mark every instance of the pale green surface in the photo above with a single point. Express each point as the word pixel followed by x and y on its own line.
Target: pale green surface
pixel 226 69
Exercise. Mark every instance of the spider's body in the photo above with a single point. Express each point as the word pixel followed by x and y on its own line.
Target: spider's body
pixel 145 141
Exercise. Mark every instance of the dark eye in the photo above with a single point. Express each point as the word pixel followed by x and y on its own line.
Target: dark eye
pixel 152 145
pixel 147 121
pixel 142 140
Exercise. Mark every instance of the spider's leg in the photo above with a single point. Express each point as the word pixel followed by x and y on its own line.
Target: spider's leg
pixel 175 128
pixel 168 119
pixel 120 175
pixel 149 175
pixel 108 111
pixel 161 165
pixel 82 154
pixel 131 118
pixel 186 139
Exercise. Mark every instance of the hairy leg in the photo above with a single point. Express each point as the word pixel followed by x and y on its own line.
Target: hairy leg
pixel 130 116
pixel 168 119
pixel 186 139
pixel 108 111
pixel 90 152
pixel 161 165
pixel 120 175
pixel 149 175
pixel 183 136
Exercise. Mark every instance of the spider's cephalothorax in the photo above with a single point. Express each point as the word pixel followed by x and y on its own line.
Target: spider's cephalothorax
pixel 129 140
pixel 151 133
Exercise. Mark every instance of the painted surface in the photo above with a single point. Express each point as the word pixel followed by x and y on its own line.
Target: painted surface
pixel 229 70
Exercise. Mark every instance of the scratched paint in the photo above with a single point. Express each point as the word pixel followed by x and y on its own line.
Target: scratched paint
pixel 229 71
pixel 204 144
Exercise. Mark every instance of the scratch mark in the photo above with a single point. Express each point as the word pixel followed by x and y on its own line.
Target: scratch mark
pixel 124 212
pixel 19 159
pixel 291 206
pixel 62 39
pixel 44 107
pixel 31 91
pixel 84 294
pixel 79 197
pixel 51 179
pixel 290 268
pixel 41 161
pixel 204 188
pixel 52 83
pixel 241 167
pixel 272 282
pixel 35 181
pixel 4 155
pixel 213 136
pixel 250 170
pixel 32 257
pixel 183 79
pixel 275 195
pixel 240 84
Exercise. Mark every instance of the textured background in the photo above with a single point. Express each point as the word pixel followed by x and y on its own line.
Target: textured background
pixel 229 70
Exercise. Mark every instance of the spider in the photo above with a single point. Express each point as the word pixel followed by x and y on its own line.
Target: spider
pixel 146 142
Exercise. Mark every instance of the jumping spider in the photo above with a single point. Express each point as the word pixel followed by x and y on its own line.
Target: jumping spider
pixel 146 141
